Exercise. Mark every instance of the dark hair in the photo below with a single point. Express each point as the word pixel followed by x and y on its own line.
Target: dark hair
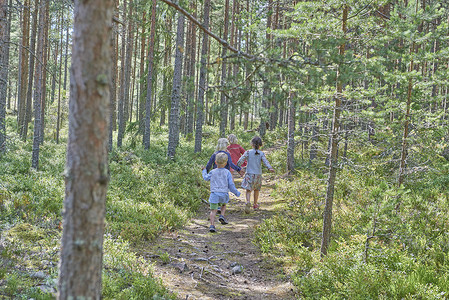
pixel 256 142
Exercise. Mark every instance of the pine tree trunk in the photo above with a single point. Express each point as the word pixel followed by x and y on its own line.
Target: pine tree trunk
pixel 39 86
pixel 173 135
pixel 31 74
pixel 4 65
pixel 327 218
pixel 23 67
pixel 142 100
pixel 146 135
pixel 113 86
pixel 223 98
pixel 44 71
pixel 291 134
pixel 121 100
pixel 58 118
pixel 202 83
pixel 80 272
pixel 128 63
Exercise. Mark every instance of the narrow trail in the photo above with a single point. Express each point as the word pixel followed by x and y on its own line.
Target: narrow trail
pixel 197 264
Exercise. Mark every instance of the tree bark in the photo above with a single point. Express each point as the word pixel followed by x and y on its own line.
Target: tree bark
pixel 23 67
pixel 173 135
pixel 202 83
pixel 87 158
pixel 223 98
pixel 327 218
pixel 146 135
pixel 4 65
pixel 291 134
pixel 31 75
pixel 39 87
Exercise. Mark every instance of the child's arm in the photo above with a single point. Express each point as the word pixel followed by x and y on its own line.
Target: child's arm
pixel 242 150
pixel 210 163
pixel 231 185
pixel 206 176
pixel 242 158
pixel 231 164
pixel 266 163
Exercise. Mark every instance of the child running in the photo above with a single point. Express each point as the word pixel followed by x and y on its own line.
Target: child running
pixel 235 149
pixel 220 183
pixel 221 148
pixel 252 180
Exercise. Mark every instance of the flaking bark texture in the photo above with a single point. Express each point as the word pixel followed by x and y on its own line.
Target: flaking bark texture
pixel 87 165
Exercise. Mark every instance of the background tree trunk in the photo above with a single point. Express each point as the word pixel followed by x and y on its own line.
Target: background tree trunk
pixel 80 271
pixel 39 86
pixel 291 134
pixel 4 65
pixel 223 98
pixel 31 75
pixel 173 134
pixel 23 67
pixel 146 135
pixel 327 218
pixel 202 83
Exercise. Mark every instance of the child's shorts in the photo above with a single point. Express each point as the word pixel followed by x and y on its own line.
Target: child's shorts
pixel 252 182
pixel 218 199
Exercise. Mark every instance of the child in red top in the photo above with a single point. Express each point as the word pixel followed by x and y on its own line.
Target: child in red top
pixel 235 149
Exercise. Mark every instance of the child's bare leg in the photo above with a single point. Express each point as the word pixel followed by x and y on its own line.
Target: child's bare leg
pixel 256 196
pixel 248 196
pixel 223 210
pixel 213 213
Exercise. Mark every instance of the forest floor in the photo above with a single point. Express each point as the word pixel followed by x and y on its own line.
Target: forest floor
pixel 197 264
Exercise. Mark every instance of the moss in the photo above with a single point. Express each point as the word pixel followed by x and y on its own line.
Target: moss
pixel 26 233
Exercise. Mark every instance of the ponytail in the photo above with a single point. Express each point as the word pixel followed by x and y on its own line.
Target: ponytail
pixel 256 142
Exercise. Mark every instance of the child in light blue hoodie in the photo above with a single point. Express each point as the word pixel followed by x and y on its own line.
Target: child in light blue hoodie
pixel 220 184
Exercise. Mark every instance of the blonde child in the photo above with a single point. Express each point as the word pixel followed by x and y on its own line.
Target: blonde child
pixel 222 144
pixel 220 183
pixel 252 180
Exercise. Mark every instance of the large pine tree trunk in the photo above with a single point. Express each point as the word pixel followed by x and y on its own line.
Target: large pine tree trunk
pixel 146 135
pixel 4 65
pixel 39 86
pixel 31 75
pixel 87 158
pixel 23 67
pixel 327 218
pixel 173 134
pixel 202 83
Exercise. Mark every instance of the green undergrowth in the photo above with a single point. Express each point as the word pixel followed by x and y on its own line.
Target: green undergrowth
pixel 148 194
pixel 387 242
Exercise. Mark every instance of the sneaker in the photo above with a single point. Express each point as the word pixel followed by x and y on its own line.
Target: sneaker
pixel 222 220
pixel 212 228
pixel 256 206
pixel 248 207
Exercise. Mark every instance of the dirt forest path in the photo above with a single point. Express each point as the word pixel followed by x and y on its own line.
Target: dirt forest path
pixel 197 264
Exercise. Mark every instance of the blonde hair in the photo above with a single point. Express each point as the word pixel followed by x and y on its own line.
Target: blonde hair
pixel 221 158
pixel 222 144
pixel 232 139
